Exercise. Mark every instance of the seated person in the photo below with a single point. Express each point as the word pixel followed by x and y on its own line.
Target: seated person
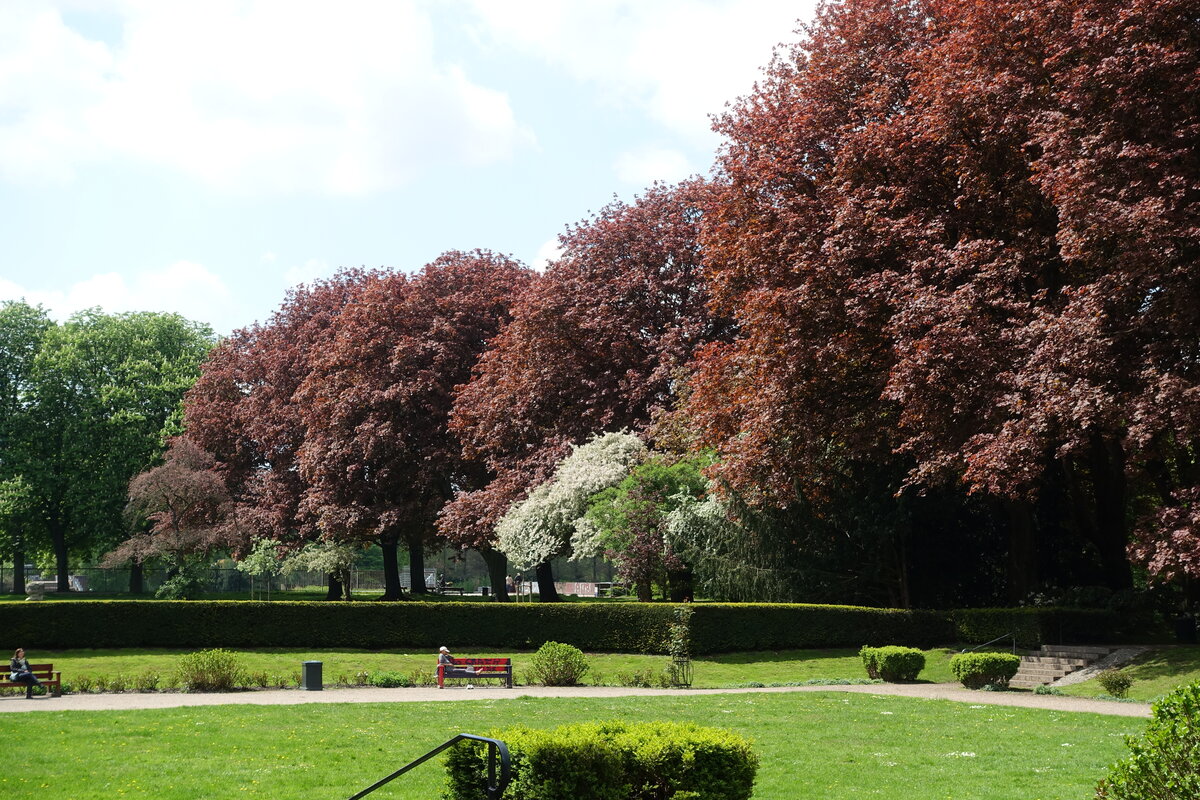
pixel 18 669
pixel 452 671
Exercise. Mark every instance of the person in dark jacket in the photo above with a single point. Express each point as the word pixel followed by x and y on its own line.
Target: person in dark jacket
pixel 18 672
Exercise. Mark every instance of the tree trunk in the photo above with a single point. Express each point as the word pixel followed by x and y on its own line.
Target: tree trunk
pixel 679 582
pixel 58 537
pixel 1110 488
pixel 334 590
pixel 644 590
pixel 1022 561
pixel 497 567
pixel 416 565
pixel 391 569
pixel 545 579
pixel 18 571
pixel 137 578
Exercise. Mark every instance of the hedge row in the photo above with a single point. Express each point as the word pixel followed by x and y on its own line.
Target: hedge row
pixel 597 627
pixel 611 761
pixel 1035 626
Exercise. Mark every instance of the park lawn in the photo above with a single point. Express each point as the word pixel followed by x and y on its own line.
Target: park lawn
pixel 341 666
pixel 822 744
pixel 1155 673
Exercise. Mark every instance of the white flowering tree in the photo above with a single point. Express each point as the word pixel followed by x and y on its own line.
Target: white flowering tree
pixel 332 558
pixel 264 561
pixel 540 527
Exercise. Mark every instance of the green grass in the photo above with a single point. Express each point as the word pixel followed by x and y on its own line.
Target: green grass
pixel 1155 673
pixel 825 745
pixel 734 669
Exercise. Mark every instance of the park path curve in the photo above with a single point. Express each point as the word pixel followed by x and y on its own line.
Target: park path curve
pixel 928 691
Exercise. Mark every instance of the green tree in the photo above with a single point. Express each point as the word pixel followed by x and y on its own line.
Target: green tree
pixel 103 388
pixel 22 328
pixel 628 524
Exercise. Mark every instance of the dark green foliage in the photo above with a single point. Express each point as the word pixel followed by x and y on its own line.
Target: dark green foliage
pixel 556 664
pixel 977 670
pixel 611 761
pixel 1038 625
pixel 600 627
pixel 1115 682
pixel 893 664
pixel 720 628
pixel 1164 763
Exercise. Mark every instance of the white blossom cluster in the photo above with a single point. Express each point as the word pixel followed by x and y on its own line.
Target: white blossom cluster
pixel 540 527
pixel 702 524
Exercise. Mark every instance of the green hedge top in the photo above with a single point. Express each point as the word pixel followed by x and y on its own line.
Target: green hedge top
pixel 595 627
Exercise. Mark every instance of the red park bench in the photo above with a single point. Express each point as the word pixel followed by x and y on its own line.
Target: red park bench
pixel 45 673
pixel 475 669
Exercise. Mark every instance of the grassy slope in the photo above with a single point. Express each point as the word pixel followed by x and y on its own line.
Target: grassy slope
pixel 825 745
pixel 788 666
pixel 1154 674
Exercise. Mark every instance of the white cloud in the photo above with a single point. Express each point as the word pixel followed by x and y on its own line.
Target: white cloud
pixel 184 287
pixel 548 252
pixel 682 60
pixel 309 271
pixel 643 167
pixel 247 95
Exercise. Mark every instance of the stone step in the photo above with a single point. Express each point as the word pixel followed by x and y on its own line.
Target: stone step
pixel 1074 651
pixel 1073 663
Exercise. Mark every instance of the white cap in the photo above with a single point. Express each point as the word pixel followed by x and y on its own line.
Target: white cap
pixel 444 649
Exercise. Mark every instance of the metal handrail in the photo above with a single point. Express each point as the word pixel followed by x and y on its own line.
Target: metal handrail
pixel 993 641
pixel 495 788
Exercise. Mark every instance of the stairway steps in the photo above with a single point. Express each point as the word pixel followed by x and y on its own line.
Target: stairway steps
pixel 1052 662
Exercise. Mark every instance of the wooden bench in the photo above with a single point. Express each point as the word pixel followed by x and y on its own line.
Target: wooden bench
pixel 44 672
pixel 483 668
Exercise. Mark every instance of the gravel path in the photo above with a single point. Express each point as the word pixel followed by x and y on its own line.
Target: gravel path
pixel 927 691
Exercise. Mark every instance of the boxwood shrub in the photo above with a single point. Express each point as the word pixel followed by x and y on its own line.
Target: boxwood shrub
pixel 1163 762
pixel 892 664
pixel 611 761
pixel 976 670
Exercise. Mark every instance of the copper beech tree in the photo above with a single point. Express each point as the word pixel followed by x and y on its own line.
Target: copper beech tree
pixel 960 239
pixel 596 344
pixel 331 418
pixel 379 458
pixel 243 410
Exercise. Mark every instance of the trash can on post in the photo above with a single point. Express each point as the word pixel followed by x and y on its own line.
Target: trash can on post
pixel 310 676
pixel 483 590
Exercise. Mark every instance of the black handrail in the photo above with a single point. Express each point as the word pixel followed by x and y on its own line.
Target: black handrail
pixel 494 789
pixel 993 641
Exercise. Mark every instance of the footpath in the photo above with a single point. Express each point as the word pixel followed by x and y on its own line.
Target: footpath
pixel 927 691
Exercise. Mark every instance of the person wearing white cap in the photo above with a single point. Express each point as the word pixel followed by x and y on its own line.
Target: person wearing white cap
pixel 446 661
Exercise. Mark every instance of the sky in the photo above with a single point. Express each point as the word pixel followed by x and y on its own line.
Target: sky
pixel 203 157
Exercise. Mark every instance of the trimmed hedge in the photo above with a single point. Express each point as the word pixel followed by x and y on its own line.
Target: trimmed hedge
pixel 739 627
pixel 976 670
pixel 610 761
pixel 892 664
pixel 592 627
pixel 1038 625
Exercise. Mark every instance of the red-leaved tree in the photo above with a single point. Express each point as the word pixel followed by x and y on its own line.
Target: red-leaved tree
pixel 596 344
pixel 378 457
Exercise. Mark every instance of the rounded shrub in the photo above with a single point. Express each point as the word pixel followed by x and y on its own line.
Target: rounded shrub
pixel 892 664
pixel 1165 761
pixel 977 670
pixel 556 664
pixel 214 670
pixel 1115 682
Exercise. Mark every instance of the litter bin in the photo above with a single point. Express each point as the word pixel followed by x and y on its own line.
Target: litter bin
pixel 484 591
pixel 310 675
pixel 1185 629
